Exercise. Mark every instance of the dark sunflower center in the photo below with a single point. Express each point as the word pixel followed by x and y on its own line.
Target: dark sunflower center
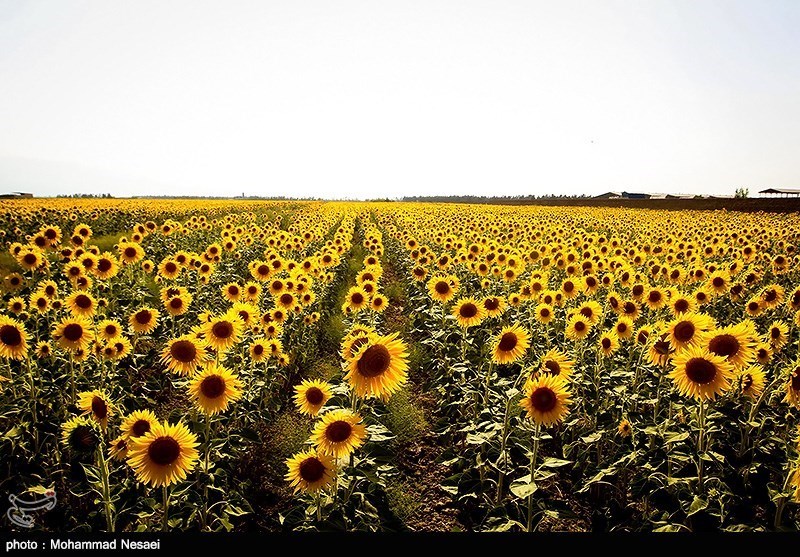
pixel 338 431
pixel 442 288
pixel 700 370
pixel 212 386
pixel 314 396
pixel 233 290
pixel 312 470
pixel 654 296
pixel 491 304
pixel 661 347
pixel 73 332
pixel 468 310
pixel 379 302
pixel 140 428
pixel 724 345
pixel 111 330
pixel 796 379
pixel 684 331
pixel 747 381
pixel 587 312
pixel 10 335
pixel 544 399
pixel 183 351
pixel 83 438
pixel 544 312
pixel 638 290
pixel 374 361
pixel 130 252
pixel 176 303
pixel 286 299
pixel 682 305
pixel 630 307
pixel 143 317
pixel 508 342
pixel 357 298
pixel 606 342
pixel 718 282
pixel 164 451
pixel 775 332
pixel 83 301
pixel 580 326
pixel 771 295
pixel 263 270
pixel 568 286
pixel 99 408
pixel 258 349
pixel 222 330
pixel 553 367
pixel 30 258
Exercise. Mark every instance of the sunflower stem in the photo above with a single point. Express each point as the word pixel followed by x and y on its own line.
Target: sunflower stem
pixel 534 453
pixel 165 500
pixel 503 453
pixel 701 445
pixel 103 464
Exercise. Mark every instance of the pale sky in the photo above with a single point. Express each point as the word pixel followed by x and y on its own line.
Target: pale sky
pixel 383 99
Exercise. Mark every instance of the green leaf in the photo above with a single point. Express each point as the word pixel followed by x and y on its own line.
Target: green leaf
pixel 523 487
pixel 594 437
pixel 552 462
pixel 676 437
pixel 697 505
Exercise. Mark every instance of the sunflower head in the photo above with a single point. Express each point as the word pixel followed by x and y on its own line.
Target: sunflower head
pixel 379 367
pixel 546 399
pixel 311 395
pixel 339 433
pixel 310 471
pixel 510 345
pixel 81 435
pixel 97 405
pixel 701 374
pixel 164 455
pixel 213 388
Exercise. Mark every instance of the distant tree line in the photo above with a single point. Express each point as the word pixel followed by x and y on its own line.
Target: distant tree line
pixel 91 195
pixel 483 199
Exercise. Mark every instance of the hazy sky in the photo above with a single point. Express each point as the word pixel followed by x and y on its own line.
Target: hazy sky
pixel 377 98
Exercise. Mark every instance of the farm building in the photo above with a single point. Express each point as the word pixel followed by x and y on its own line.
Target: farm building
pixel 781 192
pixel 15 195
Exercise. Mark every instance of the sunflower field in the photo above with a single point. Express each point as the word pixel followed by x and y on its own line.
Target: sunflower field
pixel 227 365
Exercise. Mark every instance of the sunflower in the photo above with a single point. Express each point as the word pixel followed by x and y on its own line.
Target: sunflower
pixel 178 304
pixel 754 307
pixel 107 266
pixel 655 299
pixel 751 381
pixel 442 288
pixel 287 301
pixel 380 366
pixel 777 334
pixel 701 374
pixel 311 395
pixel 660 350
pixel 624 428
pixel 623 327
pixel 13 339
pixel 310 471
pixel 763 353
pixel 183 355
pixel 213 388
pixel 118 450
pixel 556 363
pixel 608 343
pixel 258 350
pixel 339 433
pixel 252 291
pixel 772 295
pixel 108 329
pixel 353 342
pixel 718 282
pixel 97 404
pixel 793 387
pixel 546 399
pixel 378 303
pixel 578 327
pixel 137 423
pixel 164 455
pixel 16 305
pixel 543 313
pixel 81 435
pixel 73 333
pixel 356 299
pixel 736 343
pixel 493 306
pixel 591 310
pixel 223 331
pixel 687 329
pixel 510 344
pixel 143 320
pixel 81 304
pixel 44 350
pixel 468 312
pixel 130 252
